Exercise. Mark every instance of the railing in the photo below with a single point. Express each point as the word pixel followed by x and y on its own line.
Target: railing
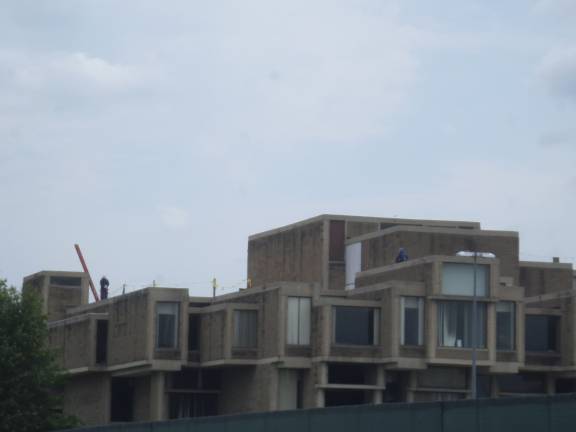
pixel 530 414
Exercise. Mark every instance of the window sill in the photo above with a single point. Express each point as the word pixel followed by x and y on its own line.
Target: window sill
pixel 354 346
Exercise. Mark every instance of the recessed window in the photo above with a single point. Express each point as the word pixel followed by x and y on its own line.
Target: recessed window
pixel 542 333
pixel 458 279
pixel 505 326
pixel 355 325
pixel 456 324
pixel 245 328
pixel 298 329
pixel 412 320
pixel 167 324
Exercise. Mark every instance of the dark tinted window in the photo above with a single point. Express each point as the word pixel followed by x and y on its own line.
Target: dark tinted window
pixel 355 325
pixel 522 383
pixel 65 281
pixel 541 333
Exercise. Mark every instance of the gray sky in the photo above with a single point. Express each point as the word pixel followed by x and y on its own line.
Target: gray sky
pixel 159 134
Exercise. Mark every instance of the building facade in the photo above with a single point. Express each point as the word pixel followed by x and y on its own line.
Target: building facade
pixel 329 318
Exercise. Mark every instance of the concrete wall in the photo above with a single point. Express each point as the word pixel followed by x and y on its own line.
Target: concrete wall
pixel 420 242
pixel 212 335
pixel 292 255
pixel 545 279
pixel 128 329
pixel 73 343
pixel 248 389
pixel 88 398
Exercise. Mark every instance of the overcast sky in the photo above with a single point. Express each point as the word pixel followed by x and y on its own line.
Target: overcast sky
pixel 160 134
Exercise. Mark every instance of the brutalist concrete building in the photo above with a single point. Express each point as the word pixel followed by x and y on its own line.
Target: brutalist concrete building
pixel 330 318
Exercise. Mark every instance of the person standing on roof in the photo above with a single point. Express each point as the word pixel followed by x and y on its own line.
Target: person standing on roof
pixel 402 256
pixel 104 284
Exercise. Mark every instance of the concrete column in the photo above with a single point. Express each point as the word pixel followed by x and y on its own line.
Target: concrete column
pixel 321 379
pixel 326 336
pixel 157 396
pixel 412 383
pixel 491 330
pixel 394 331
pixel 381 382
pixel 430 327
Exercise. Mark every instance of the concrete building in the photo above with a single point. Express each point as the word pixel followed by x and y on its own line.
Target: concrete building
pixel 330 318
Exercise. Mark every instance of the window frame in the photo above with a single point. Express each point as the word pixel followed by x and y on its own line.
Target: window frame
pixel 481 291
pixel 481 306
pixel 420 308
pixel 513 330
pixel 376 320
pixel 303 335
pixel 235 343
pixel 176 326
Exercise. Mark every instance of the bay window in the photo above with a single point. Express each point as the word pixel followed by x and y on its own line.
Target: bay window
pixel 458 279
pixel 456 326
pixel 298 329
pixel 356 325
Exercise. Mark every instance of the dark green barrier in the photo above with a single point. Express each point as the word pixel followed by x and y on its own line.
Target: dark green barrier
pixel 531 414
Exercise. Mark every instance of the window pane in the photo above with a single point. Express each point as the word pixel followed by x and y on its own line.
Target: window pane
pixel 298 326
pixel 541 333
pixel 505 326
pixel 245 326
pixel 353 263
pixel 305 306
pixel 167 324
pixel 355 325
pixel 412 324
pixel 458 279
pixel 455 324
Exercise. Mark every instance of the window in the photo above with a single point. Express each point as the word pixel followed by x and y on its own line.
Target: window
pixel 167 324
pixel 458 279
pixel 193 332
pixel 298 331
pixel 245 328
pixel 542 333
pixel 412 320
pixel 505 326
pixel 353 263
pixel 455 324
pixel 355 325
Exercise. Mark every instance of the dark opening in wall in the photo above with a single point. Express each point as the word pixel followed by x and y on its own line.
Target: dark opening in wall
pixel 65 281
pixel 193 332
pixel 337 238
pixel 101 341
pixel 345 397
pixel 566 385
pixel 523 383
pixel 122 400
pixel 182 405
pixel 342 373
pixel 196 379
pixel 396 383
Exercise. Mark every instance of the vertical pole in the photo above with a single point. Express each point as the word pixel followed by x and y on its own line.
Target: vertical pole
pixel 474 331
pixel 214 286
pixel 85 267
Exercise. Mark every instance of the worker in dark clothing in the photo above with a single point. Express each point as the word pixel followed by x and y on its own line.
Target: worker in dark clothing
pixel 104 284
pixel 402 256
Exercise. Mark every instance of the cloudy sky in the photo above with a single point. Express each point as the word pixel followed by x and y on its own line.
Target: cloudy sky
pixel 159 134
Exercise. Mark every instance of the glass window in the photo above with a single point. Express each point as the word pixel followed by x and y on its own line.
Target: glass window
pixel 458 279
pixel 412 320
pixel 245 328
pixel 298 330
pixel 167 324
pixel 455 324
pixel 505 326
pixel 542 333
pixel 355 325
pixel 353 263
